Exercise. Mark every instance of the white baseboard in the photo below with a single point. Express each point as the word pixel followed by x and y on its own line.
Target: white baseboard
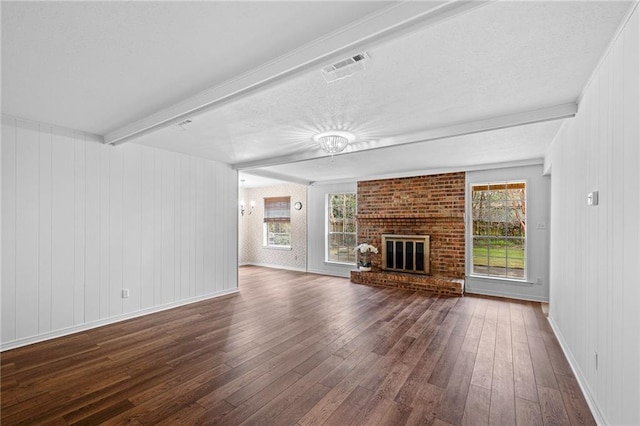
pixel 99 323
pixel 346 274
pixel 504 294
pixel 582 382
pixel 268 265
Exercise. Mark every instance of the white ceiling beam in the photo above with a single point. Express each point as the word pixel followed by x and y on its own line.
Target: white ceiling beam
pixel 277 176
pixel 556 112
pixel 393 21
pixel 438 170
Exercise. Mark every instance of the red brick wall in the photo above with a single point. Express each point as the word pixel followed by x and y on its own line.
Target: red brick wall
pixel 424 205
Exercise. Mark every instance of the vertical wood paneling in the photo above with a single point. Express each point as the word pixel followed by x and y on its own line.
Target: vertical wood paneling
pixel 184 207
pixel 607 310
pixel 27 196
pixel 617 232
pixel 209 242
pixel 79 228
pixel 147 225
pixel 168 227
pixel 115 230
pixel 105 255
pixel 594 303
pixel 591 256
pixel 92 232
pixel 177 241
pixel 200 228
pixel 218 236
pixel 193 179
pixel 62 227
pixel 131 229
pixel 158 236
pixel 602 267
pixel 44 232
pixel 631 220
pixel 94 219
pixel 230 248
pixel 8 229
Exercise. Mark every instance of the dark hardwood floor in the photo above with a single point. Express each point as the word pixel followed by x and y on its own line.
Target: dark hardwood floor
pixel 294 348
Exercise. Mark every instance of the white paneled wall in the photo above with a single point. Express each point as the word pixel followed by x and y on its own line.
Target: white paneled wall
pixel 595 289
pixel 81 221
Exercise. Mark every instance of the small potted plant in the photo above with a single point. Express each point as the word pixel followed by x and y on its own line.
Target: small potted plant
pixel 365 250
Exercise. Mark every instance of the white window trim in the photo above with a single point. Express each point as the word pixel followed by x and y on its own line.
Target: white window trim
pixel 326 229
pixel 469 224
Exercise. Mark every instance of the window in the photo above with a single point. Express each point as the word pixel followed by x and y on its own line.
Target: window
pixel 498 214
pixel 341 228
pixel 277 222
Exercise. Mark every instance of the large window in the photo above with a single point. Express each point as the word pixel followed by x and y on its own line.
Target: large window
pixel 277 222
pixel 498 213
pixel 341 228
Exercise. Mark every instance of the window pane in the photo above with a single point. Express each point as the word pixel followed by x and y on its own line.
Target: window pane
pixel 480 251
pixel 278 233
pixel 341 238
pixel 277 216
pixel 516 248
pixel 497 247
pixel 480 256
pixel 482 227
pixel 341 248
pixel 350 226
pixel 498 216
pixel 515 258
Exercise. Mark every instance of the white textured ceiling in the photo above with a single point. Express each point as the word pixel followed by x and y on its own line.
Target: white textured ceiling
pixel 97 67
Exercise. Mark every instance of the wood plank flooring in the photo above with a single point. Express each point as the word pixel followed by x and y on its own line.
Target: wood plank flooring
pixel 303 349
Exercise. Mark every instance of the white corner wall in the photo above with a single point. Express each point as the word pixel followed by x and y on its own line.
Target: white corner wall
pixel 317 227
pixel 536 285
pixel 252 250
pixel 81 221
pixel 595 290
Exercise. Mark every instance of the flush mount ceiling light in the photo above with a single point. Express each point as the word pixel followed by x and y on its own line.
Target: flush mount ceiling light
pixel 333 142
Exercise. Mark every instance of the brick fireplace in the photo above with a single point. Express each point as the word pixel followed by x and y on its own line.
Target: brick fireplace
pixel 423 206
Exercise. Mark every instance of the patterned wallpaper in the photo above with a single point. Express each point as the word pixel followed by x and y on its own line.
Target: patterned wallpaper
pixel 250 228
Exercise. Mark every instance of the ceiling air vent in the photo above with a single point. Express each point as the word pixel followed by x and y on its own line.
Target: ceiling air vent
pixel 345 67
pixel 184 125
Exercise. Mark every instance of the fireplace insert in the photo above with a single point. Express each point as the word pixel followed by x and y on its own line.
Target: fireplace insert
pixel 405 253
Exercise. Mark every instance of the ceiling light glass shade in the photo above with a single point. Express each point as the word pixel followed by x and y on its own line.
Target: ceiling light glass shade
pixel 333 142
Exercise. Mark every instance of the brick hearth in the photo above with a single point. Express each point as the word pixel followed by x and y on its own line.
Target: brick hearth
pixel 414 282
pixel 424 205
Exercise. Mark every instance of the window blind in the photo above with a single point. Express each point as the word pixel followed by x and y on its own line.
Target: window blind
pixel 277 209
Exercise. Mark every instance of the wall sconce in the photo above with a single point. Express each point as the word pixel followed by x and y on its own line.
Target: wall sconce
pixel 243 207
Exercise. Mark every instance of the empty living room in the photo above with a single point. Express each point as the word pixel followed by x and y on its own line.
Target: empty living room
pixel 310 212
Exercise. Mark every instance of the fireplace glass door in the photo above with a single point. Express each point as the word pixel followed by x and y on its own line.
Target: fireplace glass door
pixel 406 253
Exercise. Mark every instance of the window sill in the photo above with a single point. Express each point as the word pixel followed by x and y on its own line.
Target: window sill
pixel 277 247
